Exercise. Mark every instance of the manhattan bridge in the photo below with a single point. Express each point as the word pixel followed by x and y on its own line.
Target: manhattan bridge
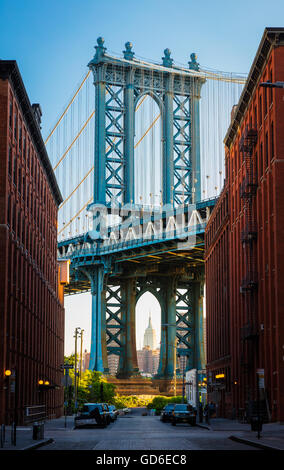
pixel 138 155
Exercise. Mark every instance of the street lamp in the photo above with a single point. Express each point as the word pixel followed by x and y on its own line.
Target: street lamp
pixel 269 84
pixel 78 332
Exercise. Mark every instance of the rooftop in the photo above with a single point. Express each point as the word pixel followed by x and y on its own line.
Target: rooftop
pixel 9 71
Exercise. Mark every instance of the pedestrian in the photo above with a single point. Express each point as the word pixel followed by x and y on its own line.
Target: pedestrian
pixel 200 412
pixel 212 409
pixel 206 413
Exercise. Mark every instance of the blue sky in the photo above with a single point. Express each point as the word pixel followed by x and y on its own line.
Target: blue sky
pixel 53 41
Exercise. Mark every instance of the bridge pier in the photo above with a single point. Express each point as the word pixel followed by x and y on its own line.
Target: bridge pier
pixel 168 330
pixel 200 359
pixel 98 353
pixel 128 366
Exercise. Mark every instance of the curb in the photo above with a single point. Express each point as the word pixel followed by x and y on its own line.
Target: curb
pixel 38 444
pixel 253 443
pixel 204 426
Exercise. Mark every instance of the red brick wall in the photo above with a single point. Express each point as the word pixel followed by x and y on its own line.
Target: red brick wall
pixel 262 307
pixel 33 318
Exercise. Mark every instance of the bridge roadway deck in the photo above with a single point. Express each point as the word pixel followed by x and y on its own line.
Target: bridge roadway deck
pixel 174 252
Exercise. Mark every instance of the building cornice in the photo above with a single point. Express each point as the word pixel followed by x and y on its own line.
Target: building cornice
pixel 272 37
pixel 9 71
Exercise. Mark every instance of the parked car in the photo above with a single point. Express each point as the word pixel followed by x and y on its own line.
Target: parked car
pixel 166 413
pixel 113 412
pixel 183 413
pixel 92 414
pixel 108 412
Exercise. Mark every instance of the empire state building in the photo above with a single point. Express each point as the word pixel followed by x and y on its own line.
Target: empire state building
pixel 150 339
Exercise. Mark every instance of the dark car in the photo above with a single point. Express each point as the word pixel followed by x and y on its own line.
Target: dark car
pixel 108 412
pixel 113 412
pixel 183 413
pixel 166 413
pixel 92 414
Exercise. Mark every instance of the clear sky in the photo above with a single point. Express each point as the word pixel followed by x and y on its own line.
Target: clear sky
pixel 53 40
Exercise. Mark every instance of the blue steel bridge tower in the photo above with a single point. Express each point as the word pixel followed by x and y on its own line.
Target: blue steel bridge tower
pixel 119 274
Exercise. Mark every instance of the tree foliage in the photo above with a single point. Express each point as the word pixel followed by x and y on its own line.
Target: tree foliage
pixel 159 402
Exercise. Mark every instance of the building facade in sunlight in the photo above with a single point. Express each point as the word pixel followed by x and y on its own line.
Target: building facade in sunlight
pixel 31 296
pixel 244 259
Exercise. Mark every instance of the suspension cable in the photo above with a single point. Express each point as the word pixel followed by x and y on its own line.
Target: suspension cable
pixel 68 106
pixel 74 217
pixel 91 169
pixel 74 140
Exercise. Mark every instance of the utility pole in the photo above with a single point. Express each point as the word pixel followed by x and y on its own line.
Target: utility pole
pixel 175 367
pixel 77 333
pixel 81 353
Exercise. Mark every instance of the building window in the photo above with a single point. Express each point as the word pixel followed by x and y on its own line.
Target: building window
pixel 265 101
pixel 20 181
pixel 271 89
pixel 15 126
pixel 19 225
pixel 11 115
pixel 255 117
pixel 13 210
pixel 260 110
pixel 20 138
pixel 261 159
pixel 15 170
pixel 256 167
pixel 10 162
pixel 266 150
pixel 24 188
pixel 24 146
pixel 272 140
pixel 9 210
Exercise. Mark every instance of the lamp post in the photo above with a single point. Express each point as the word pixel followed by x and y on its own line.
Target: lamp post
pixel 269 84
pixel 81 353
pixel 77 333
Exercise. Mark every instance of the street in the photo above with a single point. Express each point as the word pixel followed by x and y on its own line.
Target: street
pixel 137 432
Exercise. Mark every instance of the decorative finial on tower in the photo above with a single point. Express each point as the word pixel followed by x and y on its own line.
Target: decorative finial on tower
pixel 167 60
pixel 193 64
pixel 128 53
pixel 100 52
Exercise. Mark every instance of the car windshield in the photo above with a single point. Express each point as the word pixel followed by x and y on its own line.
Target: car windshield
pixel 88 408
pixel 169 407
pixel 182 408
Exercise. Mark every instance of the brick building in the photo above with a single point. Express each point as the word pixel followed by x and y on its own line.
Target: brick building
pixel 245 249
pixel 31 298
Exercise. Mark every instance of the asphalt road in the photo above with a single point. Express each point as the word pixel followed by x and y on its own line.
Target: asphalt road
pixel 137 432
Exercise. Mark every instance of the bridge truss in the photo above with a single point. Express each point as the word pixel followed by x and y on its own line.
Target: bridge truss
pixel 132 244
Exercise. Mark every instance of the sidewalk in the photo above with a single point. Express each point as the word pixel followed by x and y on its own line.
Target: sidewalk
pixel 24 439
pixel 271 436
pixel 24 435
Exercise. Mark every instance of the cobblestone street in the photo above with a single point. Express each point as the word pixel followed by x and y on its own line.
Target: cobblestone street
pixel 137 432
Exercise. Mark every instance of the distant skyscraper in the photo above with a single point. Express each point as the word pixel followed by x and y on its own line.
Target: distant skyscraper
pixel 150 336
pixel 148 358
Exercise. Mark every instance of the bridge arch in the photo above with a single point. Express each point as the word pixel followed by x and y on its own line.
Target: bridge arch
pixel 148 312
pixel 148 151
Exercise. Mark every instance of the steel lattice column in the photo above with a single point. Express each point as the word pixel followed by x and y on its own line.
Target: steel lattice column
pixel 98 353
pixel 129 137
pixel 168 330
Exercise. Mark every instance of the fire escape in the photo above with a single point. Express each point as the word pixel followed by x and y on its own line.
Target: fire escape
pixel 249 237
